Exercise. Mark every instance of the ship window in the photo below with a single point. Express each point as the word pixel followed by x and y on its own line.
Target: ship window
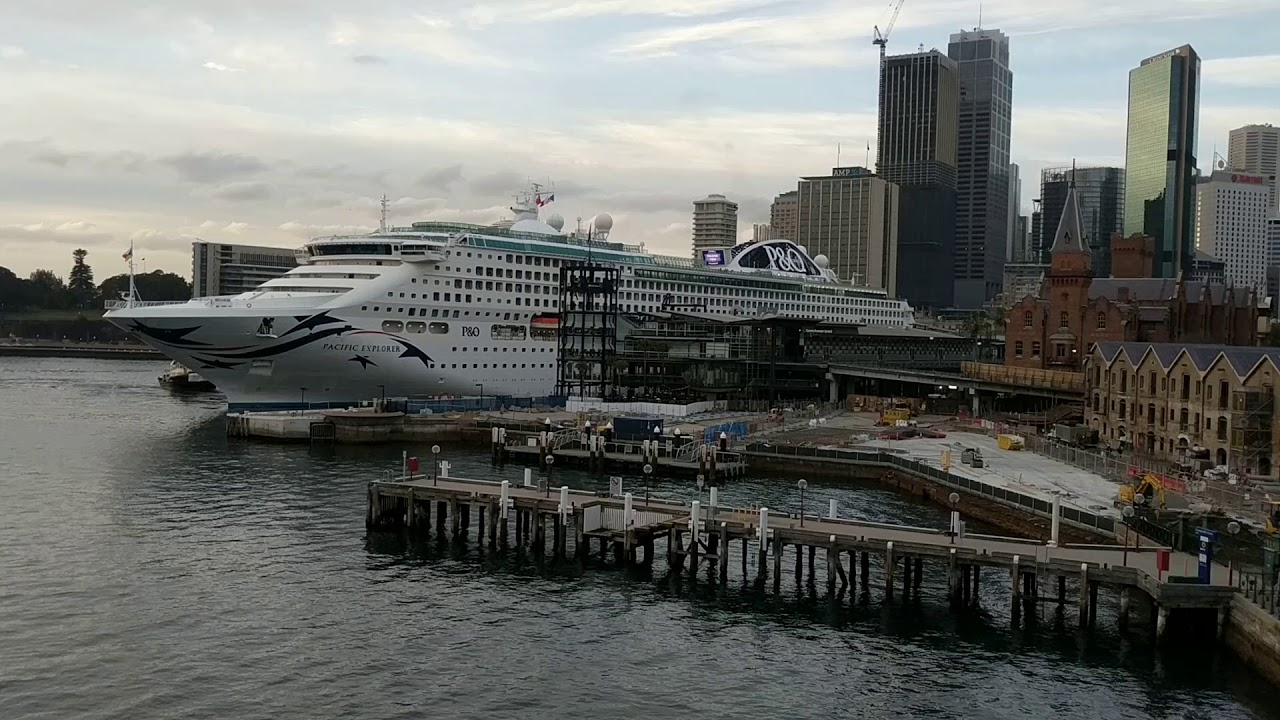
pixel 413 280
pixel 455 313
pixel 412 311
pixel 401 294
pixel 468 285
pixel 468 298
pixel 438 328
pixel 392 326
pixel 364 307
pixel 416 327
pixel 447 297
pixel 435 296
pixel 400 310
pixel 435 312
pixel 391 294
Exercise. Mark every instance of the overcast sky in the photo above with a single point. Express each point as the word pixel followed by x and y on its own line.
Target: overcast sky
pixel 270 121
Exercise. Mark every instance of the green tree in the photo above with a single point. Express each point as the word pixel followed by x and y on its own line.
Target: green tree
pixel 155 285
pixel 14 291
pixel 977 325
pixel 47 291
pixel 80 282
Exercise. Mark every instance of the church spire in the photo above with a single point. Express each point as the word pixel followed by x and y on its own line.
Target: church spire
pixel 1070 234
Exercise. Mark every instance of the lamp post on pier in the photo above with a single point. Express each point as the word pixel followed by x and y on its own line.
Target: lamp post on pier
pixel 802 485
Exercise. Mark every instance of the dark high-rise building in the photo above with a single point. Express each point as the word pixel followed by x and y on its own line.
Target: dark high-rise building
pixel 1100 193
pixel 982 151
pixel 1160 156
pixel 916 149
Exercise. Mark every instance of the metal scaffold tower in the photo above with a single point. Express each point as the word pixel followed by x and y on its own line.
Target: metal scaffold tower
pixel 588 334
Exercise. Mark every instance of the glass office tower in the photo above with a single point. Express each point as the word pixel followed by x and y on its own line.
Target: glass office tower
pixel 1160 156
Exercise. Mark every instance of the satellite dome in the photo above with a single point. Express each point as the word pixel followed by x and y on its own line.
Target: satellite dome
pixel 821 261
pixel 556 221
pixel 803 249
pixel 604 222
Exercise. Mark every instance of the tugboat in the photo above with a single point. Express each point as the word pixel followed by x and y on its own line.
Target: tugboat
pixel 178 377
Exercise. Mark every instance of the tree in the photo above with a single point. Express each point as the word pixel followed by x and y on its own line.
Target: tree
pixel 80 281
pixel 47 291
pixel 978 325
pixel 14 291
pixel 155 285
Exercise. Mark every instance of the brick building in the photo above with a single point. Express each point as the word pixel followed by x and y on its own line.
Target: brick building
pixel 1074 310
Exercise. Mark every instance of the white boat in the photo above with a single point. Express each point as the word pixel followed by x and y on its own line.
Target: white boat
pixel 179 377
pixel 441 308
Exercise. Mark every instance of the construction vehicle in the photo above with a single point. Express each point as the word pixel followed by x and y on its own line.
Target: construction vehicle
pixel 1273 517
pixel 1149 488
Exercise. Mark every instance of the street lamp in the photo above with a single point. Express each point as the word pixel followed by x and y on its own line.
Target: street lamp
pixel 954 499
pixel 481 386
pixel 1233 527
pixel 382 390
pixel 304 398
pixel 1127 512
pixel 551 460
pixel 802 485
pixel 435 464
pixel 648 472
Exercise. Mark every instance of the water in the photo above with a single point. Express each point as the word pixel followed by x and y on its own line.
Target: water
pixel 151 569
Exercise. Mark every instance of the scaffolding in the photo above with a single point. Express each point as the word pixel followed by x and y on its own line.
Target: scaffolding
pixel 588 331
pixel 1252 418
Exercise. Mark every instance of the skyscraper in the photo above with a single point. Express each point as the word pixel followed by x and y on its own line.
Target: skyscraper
pixel 224 269
pixel 715 224
pixel 916 150
pixel 1255 149
pixel 851 216
pixel 1160 156
pixel 782 215
pixel 1231 225
pixel 1015 207
pixel 983 221
pixel 1100 193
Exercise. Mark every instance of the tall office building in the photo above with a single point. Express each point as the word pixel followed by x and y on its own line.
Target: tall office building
pixel 916 150
pixel 1100 193
pixel 983 219
pixel 761 232
pixel 221 269
pixel 1273 241
pixel 1015 207
pixel 1231 225
pixel 715 224
pixel 1255 149
pixel 1160 156
pixel 782 216
pixel 851 216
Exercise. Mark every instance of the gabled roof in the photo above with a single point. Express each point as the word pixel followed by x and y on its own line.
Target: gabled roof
pixel 1242 359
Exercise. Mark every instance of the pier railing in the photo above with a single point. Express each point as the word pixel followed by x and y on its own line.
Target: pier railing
pixel 1004 496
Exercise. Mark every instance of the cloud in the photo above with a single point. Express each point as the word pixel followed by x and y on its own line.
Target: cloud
pixel 9 52
pixel 499 183
pixel 366 59
pixel 220 67
pixel 241 191
pixel 441 178
pixel 1251 71
pixel 73 232
pixel 306 231
pixel 434 38
pixel 213 167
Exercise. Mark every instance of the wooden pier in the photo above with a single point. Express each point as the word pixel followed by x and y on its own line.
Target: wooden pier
pixel 699 538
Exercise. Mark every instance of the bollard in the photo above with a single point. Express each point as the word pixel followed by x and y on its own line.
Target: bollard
pixel 695 523
pixel 528 477
pixel 1084 594
pixel 764 542
pixel 506 494
pixel 564 500
pixel 444 468
pixel 627 514
pixel 888 569
pixel 831 510
pixel 1055 522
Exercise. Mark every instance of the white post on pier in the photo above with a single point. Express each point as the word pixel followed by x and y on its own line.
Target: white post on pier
pixel 695 521
pixel 505 498
pixel 831 510
pixel 564 500
pixel 493 435
pixel 404 463
pixel 764 526
pixel 528 477
pixel 444 468
pixel 627 511
pixel 1056 522
pixel 715 498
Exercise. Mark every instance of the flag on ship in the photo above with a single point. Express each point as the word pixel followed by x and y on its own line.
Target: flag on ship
pixel 550 199
pixel 128 254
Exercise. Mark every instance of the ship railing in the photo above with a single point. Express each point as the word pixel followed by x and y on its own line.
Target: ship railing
pixel 125 304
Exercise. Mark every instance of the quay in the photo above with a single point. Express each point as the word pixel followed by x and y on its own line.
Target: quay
pixel 698 535
pixel 670 456
pixel 96 351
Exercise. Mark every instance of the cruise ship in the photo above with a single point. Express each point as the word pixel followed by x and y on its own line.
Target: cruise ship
pixel 439 308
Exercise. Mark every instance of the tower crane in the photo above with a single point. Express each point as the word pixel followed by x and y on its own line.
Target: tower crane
pixel 882 39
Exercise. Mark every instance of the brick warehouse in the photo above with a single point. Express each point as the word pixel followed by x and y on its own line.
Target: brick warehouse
pixel 1074 310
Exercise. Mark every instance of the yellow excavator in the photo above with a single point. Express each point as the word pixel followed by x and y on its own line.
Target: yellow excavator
pixel 1149 487
pixel 1273 517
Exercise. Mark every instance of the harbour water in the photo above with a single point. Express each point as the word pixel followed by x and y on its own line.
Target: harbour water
pixel 150 568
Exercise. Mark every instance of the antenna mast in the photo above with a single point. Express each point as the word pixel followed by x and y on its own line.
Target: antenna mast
pixel 382 222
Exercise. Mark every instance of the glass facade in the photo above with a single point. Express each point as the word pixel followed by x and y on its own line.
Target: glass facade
pixel 985 110
pixel 1100 193
pixel 1160 156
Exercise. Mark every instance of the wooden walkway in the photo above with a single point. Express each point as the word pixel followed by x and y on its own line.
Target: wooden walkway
pixel 631 526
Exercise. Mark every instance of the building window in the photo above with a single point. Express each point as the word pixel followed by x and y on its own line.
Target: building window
pixel 1017 348
pixel 1063 319
pixel 1102 321
pixel 1026 319
pixel 1035 349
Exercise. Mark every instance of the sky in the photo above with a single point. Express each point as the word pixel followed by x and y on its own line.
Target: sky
pixel 272 121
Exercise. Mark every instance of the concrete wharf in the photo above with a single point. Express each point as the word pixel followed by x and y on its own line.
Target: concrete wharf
pixel 700 534
pixel 668 456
